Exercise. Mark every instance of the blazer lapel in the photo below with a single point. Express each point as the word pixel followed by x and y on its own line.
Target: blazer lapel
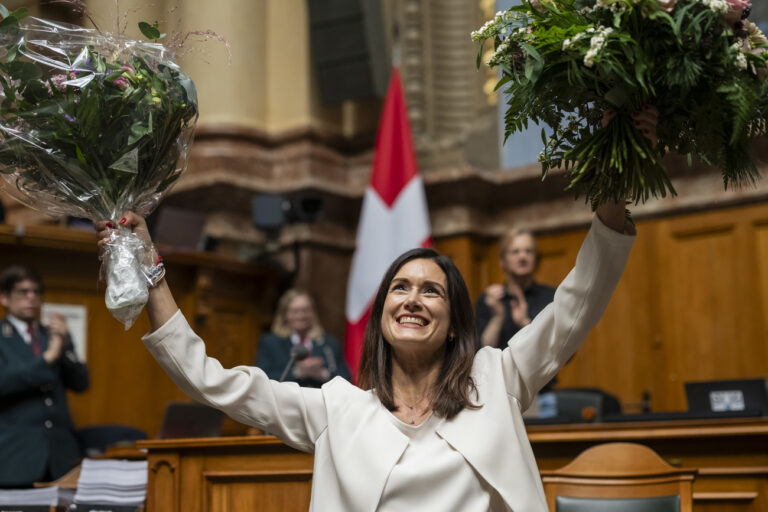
pixel 364 443
pixel 489 438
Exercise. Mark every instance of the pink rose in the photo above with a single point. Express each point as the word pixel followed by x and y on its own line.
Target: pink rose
pixel 737 9
pixel 121 83
pixel 739 4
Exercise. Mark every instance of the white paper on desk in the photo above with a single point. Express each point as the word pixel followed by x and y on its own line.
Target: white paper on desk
pixel 77 323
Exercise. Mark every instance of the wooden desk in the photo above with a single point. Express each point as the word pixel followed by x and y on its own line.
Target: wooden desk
pixel 261 473
pixel 226 474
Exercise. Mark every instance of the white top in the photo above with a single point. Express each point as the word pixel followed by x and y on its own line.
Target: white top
pixel 431 475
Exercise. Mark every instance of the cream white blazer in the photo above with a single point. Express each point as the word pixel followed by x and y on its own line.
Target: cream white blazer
pixel 356 445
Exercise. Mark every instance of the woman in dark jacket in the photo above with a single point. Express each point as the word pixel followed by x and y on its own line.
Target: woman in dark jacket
pixel 296 324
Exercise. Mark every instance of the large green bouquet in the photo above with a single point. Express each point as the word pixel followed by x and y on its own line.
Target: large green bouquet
pixel 701 63
pixel 92 124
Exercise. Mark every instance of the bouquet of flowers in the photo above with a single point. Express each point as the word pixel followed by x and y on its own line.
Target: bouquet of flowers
pixel 701 63
pixel 93 124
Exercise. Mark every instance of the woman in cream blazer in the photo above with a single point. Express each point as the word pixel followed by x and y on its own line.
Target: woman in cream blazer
pixel 356 446
pixel 412 438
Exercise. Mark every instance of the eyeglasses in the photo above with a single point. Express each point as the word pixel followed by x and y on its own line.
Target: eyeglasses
pixel 23 292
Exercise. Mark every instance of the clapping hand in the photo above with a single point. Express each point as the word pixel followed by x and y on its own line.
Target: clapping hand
pixel 57 337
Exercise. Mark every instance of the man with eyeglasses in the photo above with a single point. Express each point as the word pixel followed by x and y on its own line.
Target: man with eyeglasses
pixel 37 365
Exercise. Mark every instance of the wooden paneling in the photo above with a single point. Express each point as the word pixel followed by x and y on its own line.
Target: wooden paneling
pixel 225 301
pixel 692 304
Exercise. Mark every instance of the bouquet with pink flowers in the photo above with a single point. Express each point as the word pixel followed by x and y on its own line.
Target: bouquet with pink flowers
pixel 702 63
pixel 93 124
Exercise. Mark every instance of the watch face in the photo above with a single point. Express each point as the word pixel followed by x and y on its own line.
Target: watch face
pixel 726 401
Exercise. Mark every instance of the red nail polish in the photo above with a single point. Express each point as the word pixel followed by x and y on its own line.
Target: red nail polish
pixel 637 123
pixel 159 259
pixel 645 132
pixel 123 220
pixel 110 225
pixel 646 107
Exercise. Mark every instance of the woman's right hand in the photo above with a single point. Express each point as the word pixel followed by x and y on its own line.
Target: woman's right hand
pixel 130 220
pixel 161 306
pixel 493 295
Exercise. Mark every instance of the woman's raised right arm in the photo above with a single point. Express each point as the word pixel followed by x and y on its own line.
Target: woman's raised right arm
pixel 296 415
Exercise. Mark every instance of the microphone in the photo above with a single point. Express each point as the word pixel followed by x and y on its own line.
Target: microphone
pixel 298 353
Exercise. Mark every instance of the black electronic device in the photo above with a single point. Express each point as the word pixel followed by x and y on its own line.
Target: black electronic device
pixel 736 395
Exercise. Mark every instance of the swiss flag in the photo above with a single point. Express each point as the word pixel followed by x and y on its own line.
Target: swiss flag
pixel 394 217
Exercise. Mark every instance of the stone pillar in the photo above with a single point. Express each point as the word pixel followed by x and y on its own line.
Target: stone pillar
pixel 229 94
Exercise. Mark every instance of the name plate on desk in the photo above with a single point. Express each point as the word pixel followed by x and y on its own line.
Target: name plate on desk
pixel 727 400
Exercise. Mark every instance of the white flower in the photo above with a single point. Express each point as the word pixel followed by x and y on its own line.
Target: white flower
pixel 741 61
pixel 491 28
pixel 596 43
pixel 566 44
pixel 500 54
pixel 718 6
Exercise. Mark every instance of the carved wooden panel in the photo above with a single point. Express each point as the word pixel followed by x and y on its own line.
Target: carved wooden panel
pixel 257 490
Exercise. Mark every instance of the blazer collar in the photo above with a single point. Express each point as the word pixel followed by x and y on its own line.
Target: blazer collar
pixel 366 446
pixel 489 444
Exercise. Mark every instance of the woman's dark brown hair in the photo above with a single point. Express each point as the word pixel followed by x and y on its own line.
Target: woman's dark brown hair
pixel 454 385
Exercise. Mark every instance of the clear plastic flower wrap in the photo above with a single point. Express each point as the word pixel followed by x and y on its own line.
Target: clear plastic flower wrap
pixel 93 124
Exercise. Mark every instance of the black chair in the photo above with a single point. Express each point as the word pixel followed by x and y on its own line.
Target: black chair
pixel 660 504
pixel 578 405
pixel 96 439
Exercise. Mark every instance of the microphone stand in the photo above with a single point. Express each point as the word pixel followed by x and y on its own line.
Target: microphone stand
pixel 298 353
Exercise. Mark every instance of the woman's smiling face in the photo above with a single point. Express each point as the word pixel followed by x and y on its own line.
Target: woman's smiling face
pixel 417 311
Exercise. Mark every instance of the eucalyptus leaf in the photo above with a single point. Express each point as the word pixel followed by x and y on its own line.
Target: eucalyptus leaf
pixel 129 162
pixel 9 28
pixel 24 71
pixel 150 32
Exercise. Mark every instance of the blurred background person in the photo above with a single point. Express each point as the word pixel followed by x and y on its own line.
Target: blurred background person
pixel 37 365
pixel 295 324
pixel 505 308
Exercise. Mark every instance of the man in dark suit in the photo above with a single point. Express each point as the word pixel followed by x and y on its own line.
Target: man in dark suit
pixel 37 365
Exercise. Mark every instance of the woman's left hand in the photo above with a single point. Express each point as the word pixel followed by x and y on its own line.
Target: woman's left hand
pixel 644 120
